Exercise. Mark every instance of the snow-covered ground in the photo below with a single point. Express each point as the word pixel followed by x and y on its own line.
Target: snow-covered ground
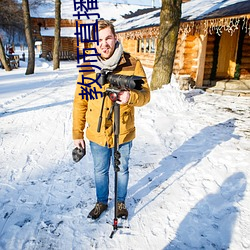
pixel 189 170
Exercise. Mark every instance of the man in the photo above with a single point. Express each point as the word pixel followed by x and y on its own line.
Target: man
pixel 113 59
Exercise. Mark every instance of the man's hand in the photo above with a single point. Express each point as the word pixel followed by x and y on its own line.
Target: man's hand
pixel 79 143
pixel 123 97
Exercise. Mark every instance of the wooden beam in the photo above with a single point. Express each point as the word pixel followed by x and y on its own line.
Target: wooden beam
pixel 201 60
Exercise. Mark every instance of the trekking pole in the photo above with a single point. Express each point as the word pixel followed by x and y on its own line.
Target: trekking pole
pixel 117 156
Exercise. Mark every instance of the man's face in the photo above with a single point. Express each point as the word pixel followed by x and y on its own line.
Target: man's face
pixel 107 42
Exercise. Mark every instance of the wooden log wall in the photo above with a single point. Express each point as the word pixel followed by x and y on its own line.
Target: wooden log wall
pixel 186 55
pixel 47 45
pixel 190 56
pixel 131 46
pixel 67 44
pixel 146 59
pixel 178 61
pixel 245 60
pixel 50 22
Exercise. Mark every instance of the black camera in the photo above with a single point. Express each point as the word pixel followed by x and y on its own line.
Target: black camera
pixel 120 81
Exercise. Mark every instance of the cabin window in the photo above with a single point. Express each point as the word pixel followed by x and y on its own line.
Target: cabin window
pixel 140 45
pixel 146 45
pixel 152 45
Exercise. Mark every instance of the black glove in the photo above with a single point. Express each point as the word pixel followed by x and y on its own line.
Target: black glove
pixel 78 153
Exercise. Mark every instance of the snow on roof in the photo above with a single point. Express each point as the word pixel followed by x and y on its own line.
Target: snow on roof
pixel 65 31
pixel 146 20
pixel 197 9
pixel 192 10
pixel 106 10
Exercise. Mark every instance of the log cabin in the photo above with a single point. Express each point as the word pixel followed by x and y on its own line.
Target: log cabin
pixel 213 41
pixel 43 30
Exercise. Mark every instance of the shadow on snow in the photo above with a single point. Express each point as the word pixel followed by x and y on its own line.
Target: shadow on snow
pixel 190 153
pixel 215 220
pixel 209 225
pixel 23 110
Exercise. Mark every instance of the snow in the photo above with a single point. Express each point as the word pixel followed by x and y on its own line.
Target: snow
pixel 145 20
pixel 106 10
pixel 65 32
pixel 156 3
pixel 192 10
pixel 197 9
pixel 189 169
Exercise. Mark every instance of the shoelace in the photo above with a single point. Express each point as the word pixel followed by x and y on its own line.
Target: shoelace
pixel 97 209
pixel 121 206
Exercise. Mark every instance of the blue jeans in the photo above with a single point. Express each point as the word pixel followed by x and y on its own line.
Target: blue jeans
pixel 102 157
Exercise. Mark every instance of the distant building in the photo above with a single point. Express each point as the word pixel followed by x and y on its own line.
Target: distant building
pixel 43 33
pixel 43 23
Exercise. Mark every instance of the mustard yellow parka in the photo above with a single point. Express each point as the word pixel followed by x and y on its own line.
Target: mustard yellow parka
pixel 88 111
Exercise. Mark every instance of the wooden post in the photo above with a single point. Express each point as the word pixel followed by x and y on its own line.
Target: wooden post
pixel 201 60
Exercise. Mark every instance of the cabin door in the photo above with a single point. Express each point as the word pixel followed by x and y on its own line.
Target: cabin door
pixel 227 55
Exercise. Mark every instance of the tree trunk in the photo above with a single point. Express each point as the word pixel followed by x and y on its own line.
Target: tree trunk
pixel 3 57
pixel 29 38
pixel 168 34
pixel 56 59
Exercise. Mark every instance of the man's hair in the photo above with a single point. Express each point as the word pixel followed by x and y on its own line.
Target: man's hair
pixel 103 24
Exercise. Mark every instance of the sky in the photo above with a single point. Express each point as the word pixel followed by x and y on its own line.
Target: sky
pixel 189 169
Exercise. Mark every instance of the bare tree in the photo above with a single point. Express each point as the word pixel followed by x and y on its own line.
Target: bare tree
pixel 11 16
pixel 168 34
pixel 28 33
pixel 3 57
pixel 11 24
pixel 56 59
